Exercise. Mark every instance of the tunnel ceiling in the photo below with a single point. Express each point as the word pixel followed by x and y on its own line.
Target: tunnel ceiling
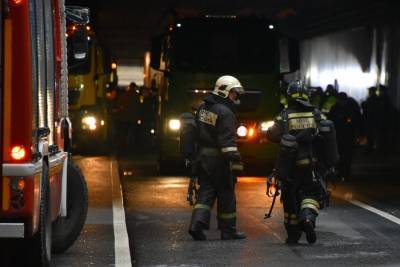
pixel 126 26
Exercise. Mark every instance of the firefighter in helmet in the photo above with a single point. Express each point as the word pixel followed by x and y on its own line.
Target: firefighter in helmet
pixel 218 160
pixel 296 129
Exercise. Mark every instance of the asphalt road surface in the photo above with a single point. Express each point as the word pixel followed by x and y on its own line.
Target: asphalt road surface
pixel 361 228
pixel 95 246
pixel 157 216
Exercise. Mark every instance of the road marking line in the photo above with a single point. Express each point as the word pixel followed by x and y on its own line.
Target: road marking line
pixel 376 211
pixel 121 240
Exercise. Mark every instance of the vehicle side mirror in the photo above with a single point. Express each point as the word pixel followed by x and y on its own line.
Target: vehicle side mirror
pixel 79 44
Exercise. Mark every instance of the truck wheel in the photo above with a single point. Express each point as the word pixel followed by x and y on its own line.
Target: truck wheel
pixel 67 229
pixel 40 246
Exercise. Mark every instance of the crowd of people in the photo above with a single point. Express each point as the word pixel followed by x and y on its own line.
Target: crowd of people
pixel 373 123
pixel 133 112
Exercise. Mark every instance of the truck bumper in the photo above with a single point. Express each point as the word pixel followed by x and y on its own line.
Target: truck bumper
pixel 257 153
pixel 12 230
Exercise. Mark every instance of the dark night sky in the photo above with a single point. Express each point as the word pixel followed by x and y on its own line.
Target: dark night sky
pixel 126 26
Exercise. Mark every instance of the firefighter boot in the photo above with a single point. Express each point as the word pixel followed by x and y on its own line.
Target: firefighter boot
pixel 308 216
pixel 196 231
pixel 200 221
pixel 197 234
pixel 228 229
pixel 308 227
pixel 293 233
pixel 232 234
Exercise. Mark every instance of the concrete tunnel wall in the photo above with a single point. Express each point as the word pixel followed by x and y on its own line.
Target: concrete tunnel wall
pixel 353 60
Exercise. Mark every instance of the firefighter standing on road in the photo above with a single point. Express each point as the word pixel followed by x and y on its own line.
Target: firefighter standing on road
pixel 218 159
pixel 296 130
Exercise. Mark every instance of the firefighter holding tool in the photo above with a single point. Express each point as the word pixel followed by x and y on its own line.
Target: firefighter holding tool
pixel 307 145
pixel 217 159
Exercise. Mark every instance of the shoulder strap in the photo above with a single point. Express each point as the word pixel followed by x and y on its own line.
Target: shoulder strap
pixel 285 117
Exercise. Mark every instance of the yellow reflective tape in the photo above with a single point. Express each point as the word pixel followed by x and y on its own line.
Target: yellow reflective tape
pixel 293 216
pixel 310 206
pixel 310 201
pixel 202 206
pixel 304 161
pixel 323 117
pixel 279 118
pixel 227 215
pixel 207 117
pixel 301 123
pixel 300 95
pixel 229 149
pixel 300 115
pixel 236 167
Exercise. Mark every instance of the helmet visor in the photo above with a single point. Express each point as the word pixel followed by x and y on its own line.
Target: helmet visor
pixel 238 90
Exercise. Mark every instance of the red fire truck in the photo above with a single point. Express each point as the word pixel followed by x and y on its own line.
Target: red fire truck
pixel 43 194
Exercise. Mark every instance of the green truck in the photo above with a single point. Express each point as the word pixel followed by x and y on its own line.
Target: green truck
pixel 192 53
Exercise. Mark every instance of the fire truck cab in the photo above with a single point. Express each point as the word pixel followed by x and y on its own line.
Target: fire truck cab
pixel 43 194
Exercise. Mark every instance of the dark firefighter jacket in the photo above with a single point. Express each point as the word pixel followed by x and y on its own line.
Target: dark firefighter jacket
pixel 302 120
pixel 217 125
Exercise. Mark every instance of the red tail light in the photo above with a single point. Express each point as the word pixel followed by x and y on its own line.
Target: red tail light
pixel 18 153
pixel 16 2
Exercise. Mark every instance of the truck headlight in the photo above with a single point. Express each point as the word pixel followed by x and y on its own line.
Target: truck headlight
pixel 266 125
pixel 89 122
pixel 174 124
pixel 242 131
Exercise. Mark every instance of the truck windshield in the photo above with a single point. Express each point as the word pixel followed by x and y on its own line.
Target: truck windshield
pixel 249 102
pixel 224 45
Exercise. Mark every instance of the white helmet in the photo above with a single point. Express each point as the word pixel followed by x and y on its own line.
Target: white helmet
pixel 225 84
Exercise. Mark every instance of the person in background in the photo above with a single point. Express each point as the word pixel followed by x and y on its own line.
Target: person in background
pixel 370 118
pixel 385 125
pixel 329 99
pixel 127 115
pixel 316 97
pixel 346 116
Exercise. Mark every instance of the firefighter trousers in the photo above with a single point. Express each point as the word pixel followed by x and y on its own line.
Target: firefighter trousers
pixel 301 196
pixel 216 183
